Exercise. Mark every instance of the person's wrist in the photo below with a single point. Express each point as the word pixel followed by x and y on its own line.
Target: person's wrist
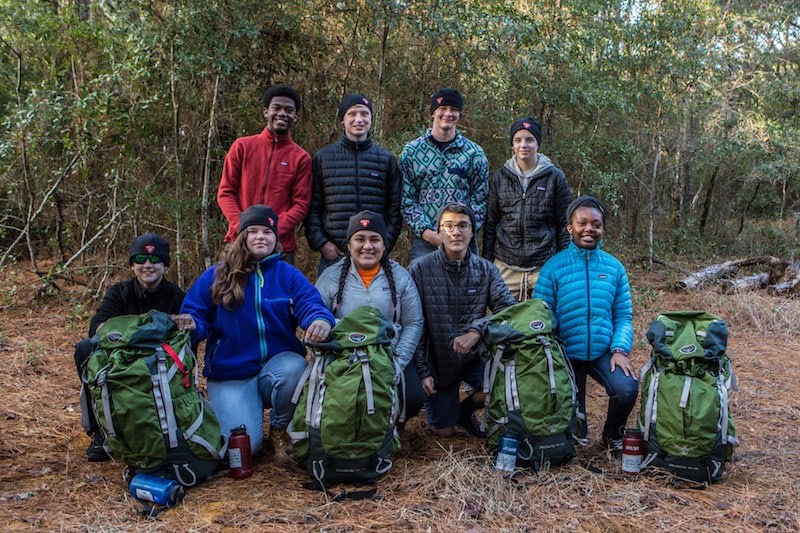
pixel 620 351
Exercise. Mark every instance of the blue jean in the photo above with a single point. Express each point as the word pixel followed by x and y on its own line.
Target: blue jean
pixel 444 406
pixel 242 401
pixel 621 389
pixel 415 395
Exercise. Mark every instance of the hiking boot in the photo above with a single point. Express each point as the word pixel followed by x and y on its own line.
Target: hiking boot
pixel 98 449
pixel 280 444
pixel 613 445
pixel 470 424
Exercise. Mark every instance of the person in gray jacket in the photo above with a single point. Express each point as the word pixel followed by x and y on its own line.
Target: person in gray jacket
pixel 528 199
pixel 366 276
pixel 456 287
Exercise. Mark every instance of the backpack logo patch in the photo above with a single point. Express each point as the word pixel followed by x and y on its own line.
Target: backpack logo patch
pixel 689 348
pixel 357 337
pixel 537 325
pixel 114 336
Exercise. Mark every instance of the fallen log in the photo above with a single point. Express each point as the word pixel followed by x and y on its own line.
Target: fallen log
pixel 748 283
pixel 714 272
pixel 729 269
pixel 784 288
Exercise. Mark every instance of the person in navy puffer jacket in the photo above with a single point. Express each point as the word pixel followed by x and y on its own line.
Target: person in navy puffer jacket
pixel 249 307
pixel 588 291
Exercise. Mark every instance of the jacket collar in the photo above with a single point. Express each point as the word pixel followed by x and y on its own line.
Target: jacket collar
pixel 583 253
pixel 277 139
pixel 453 265
pixel 356 146
pixel 458 141
pixel 141 292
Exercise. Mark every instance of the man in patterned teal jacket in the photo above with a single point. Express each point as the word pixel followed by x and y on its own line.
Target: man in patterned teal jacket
pixel 439 168
pixel 589 293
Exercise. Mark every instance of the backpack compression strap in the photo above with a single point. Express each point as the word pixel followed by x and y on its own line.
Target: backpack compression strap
pixel 363 358
pixel 177 360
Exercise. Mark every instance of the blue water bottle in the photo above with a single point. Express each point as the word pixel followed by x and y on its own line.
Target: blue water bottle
pixel 158 490
pixel 507 454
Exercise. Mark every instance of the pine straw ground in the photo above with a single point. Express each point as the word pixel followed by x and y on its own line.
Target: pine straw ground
pixel 446 485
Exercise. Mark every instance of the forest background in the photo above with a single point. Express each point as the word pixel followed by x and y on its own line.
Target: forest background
pixel 116 114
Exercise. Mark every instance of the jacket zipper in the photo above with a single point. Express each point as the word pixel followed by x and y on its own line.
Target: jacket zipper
pixel 262 338
pixel 588 310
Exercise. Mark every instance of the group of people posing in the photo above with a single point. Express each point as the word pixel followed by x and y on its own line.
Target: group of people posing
pixel 352 198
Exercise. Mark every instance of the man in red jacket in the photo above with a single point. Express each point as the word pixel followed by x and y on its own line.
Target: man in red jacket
pixel 270 169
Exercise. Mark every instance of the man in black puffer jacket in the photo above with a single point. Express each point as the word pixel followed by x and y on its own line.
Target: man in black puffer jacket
pixel 456 287
pixel 349 176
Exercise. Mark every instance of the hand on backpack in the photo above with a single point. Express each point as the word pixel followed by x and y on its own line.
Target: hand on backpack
pixel 184 321
pixel 318 331
pixel 464 343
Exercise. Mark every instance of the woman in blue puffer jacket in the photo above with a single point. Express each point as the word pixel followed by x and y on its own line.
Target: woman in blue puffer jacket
pixel 588 291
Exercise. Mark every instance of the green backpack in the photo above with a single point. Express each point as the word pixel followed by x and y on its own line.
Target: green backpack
pixel 684 413
pixel 142 379
pixel 348 401
pixel 530 386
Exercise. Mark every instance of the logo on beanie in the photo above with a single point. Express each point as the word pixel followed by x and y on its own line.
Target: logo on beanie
pixel 149 248
pixel 526 125
pixel 439 100
pixel 366 102
pixel 364 222
pixel 270 222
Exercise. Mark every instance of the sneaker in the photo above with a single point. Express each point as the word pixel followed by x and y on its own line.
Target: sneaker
pixel 470 424
pixel 98 449
pixel 613 445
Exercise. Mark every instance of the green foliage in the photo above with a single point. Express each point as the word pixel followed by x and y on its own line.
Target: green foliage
pixel 679 112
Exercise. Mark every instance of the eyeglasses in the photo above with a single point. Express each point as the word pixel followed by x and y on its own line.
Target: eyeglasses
pixel 140 259
pixel 449 227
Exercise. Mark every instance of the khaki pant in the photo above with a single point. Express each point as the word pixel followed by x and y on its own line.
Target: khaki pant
pixel 520 281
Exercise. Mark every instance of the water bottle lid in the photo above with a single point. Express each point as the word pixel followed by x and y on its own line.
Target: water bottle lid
pixel 241 430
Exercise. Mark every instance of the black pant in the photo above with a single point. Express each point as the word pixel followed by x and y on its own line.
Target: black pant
pixel 83 350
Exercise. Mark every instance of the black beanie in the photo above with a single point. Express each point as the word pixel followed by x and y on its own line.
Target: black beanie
pixel 526 123
pixel 349 101
pixel 586 201
pixel 446 96
pixel 366 220
pixel 151 244
pixel 261 215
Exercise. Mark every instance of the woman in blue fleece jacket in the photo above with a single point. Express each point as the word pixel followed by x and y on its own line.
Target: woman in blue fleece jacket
pixel 588 291
pixel 248 307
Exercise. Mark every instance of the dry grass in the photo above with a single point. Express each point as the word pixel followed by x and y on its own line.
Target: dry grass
pixel 445 485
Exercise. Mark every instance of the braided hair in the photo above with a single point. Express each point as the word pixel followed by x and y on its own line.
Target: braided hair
pixel 386 265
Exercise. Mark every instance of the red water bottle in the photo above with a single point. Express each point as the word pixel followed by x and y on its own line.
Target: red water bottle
pixel 240 459
pixel 632 451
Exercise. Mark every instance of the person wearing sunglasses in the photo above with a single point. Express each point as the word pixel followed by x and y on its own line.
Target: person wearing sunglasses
pixel 146 290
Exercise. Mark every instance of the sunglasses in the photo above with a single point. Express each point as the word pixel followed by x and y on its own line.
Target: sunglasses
pixel 140 259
